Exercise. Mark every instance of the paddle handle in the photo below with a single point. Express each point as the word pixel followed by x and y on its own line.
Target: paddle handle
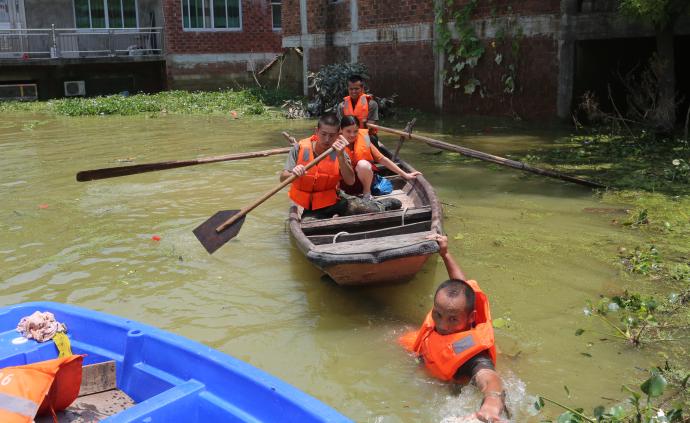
pixel 270 193
pixel 489 157
pixel 113 172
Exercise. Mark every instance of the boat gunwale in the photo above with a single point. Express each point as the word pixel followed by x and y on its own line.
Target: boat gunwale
pixel 326 259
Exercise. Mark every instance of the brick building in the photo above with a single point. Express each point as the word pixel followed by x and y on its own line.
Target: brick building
pixel 547 43
pixel 55 48
pixel 218 43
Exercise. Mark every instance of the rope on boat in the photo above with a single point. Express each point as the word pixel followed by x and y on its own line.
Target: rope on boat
pixel 335 237
pixel 403 216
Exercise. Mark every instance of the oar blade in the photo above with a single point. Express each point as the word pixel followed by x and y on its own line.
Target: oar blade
pixel 211 239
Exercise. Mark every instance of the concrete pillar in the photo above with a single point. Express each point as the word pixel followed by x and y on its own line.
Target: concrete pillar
pixel 305 47
pixel 354 27
pixel 566 59
pixel 439 63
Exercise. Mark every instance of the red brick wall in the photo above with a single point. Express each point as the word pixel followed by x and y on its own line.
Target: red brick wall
pixel 403 69
pixel 323 16
pixel 291 19
pixel 536 82
pixel 257 34
pixel 374 13
pixel 321 56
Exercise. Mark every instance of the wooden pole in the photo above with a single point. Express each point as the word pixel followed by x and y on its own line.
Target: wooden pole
pixel 408 130
pixel 489 157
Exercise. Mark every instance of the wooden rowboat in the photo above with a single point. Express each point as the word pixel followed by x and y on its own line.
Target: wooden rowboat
pixel 372 248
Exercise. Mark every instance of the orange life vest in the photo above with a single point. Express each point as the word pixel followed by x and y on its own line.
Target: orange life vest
pixel 443 355
pixel 28 390
pixel 361 110
pixel 361 148
pixel 318 187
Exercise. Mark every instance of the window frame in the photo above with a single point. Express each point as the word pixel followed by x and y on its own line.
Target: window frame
pixel 237 29
pixel 107 18
pixel 280 3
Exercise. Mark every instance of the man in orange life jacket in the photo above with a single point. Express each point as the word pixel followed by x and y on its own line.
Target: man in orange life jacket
pixel 316 190
pixel 361 105
pixel 456 341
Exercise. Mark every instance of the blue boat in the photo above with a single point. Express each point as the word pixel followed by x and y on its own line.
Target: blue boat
pixel 167 377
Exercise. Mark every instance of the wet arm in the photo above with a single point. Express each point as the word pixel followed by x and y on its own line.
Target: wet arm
pixel 453 268
pixel 491 386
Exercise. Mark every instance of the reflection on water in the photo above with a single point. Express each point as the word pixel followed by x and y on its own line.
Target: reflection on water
pixel 525 239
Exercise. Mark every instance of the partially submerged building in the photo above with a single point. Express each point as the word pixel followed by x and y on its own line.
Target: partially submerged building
pixel 538 58
pixel 55 48
pixel 538 55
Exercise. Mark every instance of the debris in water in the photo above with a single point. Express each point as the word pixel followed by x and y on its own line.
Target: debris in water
pixel 43 206
pixel 156 238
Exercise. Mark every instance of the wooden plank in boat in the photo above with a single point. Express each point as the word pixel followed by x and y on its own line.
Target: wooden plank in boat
pixel 97 377
pixel 368 246
pixel 363 221
pixel 377 233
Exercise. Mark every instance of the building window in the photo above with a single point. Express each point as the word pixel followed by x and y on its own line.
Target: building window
pixel 211 14
pixel 276 10
pixel 92 14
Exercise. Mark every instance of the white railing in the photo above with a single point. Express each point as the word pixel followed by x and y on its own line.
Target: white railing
pixel 80 43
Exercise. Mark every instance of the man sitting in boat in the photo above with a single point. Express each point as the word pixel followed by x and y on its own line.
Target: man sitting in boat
pixel 361 105
pixel 363 154
pixel 316 189
pixel 456 340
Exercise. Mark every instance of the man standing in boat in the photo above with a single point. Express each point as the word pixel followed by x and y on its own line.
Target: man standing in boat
pixel 361 105
pixel 456 340
pixel 316 190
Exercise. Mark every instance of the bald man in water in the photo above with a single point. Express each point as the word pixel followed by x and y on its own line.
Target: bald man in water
pixel 456 341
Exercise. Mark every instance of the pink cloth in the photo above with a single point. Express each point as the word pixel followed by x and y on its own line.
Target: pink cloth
pixel 40 326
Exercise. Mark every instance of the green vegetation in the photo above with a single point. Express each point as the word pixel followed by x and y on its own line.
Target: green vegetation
pixel 651 408
pixel 464 50
pixel 252 102
pixel 652 177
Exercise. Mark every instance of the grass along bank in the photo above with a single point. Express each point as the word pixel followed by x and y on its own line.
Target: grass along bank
pixel 651 179
pixel 248 102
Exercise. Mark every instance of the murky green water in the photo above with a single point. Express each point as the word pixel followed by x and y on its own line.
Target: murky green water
pixel 526 240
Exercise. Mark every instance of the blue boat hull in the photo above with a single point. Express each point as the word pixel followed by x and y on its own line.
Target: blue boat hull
pixel 171 378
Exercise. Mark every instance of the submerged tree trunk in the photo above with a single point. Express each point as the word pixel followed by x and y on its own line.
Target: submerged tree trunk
pixel 665 114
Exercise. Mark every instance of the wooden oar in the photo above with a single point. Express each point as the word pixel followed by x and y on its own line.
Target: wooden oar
pixel 113 172
pixel 489 157
pixel 226 224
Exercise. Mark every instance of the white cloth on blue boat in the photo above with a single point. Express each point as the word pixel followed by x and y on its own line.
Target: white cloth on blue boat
pixel 40 326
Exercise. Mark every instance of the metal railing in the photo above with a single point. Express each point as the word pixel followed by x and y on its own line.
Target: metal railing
pixel 57 43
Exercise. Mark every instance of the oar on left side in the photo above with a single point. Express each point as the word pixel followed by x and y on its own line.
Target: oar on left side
pixel 113 172
pixel 225 224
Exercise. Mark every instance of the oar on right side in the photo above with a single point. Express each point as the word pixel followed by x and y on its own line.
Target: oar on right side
pixel 225 224
pixel 488 157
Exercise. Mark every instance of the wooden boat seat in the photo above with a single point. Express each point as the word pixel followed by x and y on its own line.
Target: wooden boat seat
pixel 98 397
pixel 343 236
pixel 373 246
pixel 366 222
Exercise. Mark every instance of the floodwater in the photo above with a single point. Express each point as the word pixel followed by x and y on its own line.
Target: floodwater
pixel 528 240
